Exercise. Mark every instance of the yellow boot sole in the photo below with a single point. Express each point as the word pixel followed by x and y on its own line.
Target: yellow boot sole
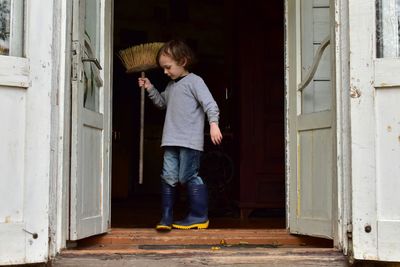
pixel 192 226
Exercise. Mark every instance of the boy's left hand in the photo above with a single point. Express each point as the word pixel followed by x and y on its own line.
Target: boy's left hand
pixel 215 133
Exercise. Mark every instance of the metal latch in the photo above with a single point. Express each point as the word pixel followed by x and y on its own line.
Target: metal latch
pixel 94 60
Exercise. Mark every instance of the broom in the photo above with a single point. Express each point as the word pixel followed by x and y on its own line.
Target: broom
pixel 140 58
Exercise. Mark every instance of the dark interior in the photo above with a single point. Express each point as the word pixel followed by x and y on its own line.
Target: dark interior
pixel 240 50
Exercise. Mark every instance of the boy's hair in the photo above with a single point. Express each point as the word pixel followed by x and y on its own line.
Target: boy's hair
pixel 178 51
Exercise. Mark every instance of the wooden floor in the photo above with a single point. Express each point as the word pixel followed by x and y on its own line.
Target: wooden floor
pixel 209 247
pixel 259 240
pixel 249 257
pixel 133 230
pixel 126 241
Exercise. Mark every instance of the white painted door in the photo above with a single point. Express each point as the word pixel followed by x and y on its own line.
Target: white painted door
pixel 26 105
pixel 375 128
pixel 310 113
pixel 91 118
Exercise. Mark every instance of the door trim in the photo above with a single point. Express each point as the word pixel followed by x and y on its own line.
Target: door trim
pixel 343 141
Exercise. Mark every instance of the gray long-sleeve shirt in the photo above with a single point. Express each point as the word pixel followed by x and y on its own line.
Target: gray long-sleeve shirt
pixel 187 101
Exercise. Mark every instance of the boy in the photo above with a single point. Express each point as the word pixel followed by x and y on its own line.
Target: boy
pixel 187 101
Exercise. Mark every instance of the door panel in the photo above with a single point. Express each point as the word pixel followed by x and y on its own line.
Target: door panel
pixel 90 151
pixel 27 140
pixel 314 144
pixel 311 116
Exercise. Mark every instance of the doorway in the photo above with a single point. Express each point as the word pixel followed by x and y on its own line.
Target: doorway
pixel 240 52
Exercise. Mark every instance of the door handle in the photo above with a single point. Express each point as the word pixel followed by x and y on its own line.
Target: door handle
pixel 315 64
pixel 88 51
pixel 94 60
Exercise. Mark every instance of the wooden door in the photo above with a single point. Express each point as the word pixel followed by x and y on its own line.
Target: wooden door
pixel 91 118
pixel 375 128
pixel 310 111
pixel 27 92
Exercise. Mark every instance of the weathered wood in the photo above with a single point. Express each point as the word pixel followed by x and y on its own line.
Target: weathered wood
pixel 215 247
pixel 14 71
pixel 384 78
pixel 90 134
pixel 27 140
pixel 375 94
pixel 228 237
pixel 310 123
pixel 204 257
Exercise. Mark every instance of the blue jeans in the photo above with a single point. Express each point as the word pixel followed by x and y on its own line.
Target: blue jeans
pixel 181 165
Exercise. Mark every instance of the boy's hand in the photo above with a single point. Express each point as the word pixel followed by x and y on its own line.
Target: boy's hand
pixel 215 133
pixel 144 82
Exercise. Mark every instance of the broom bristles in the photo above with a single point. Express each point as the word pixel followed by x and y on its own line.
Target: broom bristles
pixel 140 57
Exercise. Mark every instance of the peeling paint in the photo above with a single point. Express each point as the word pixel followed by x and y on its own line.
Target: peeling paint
pixel 389 128
pixel 7 219
pixel 355 92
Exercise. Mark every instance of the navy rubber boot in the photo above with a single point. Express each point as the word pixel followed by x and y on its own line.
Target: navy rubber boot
pixel 198 209
pixel 167 206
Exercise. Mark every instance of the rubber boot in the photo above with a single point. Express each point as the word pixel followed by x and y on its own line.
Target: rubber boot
pixel 198 209
pixel 167 205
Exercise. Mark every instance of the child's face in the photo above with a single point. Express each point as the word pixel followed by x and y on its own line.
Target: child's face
pixel 171 67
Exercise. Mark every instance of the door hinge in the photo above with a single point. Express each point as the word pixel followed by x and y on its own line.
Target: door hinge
pixel 349 230
pixel 350 253
pixel 75 69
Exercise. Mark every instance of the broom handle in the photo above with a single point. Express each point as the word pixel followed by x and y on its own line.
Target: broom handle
pixel 142 94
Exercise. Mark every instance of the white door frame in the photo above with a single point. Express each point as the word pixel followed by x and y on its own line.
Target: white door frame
pixel 59 191
pixel 343 148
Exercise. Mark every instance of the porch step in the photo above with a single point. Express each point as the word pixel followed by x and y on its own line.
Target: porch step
pixel 129 255
pixel 213 247
pixel 224 237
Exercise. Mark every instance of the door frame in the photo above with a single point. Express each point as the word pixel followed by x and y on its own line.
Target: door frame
pixel 59 192
pixel 343 227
